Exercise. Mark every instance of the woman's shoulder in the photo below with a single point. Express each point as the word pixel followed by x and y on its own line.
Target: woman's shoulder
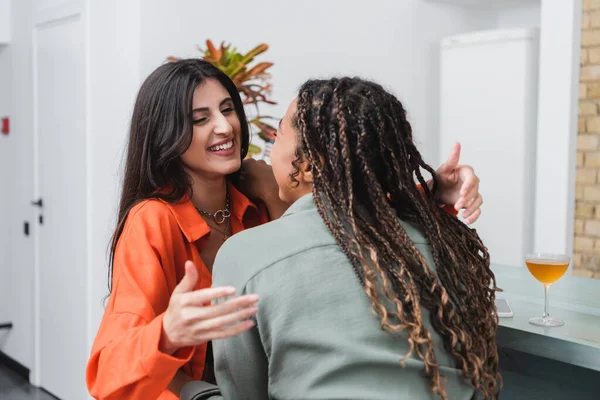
pixel 153 215
pixel 415 232
pixel 150 209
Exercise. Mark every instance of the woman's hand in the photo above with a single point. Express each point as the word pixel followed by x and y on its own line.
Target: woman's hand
pixel 190 320
pixel 459 187
pixel 257 182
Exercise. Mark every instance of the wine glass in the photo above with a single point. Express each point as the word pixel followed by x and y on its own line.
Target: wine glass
pixel 547 268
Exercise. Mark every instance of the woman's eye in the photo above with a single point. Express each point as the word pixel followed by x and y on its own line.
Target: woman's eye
pixel 200 121
pixel 227 110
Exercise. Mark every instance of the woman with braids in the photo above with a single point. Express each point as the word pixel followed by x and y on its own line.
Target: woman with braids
pixel 182 197
pixel 368 289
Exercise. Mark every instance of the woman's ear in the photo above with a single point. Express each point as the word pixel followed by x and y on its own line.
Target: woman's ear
pixel 306 175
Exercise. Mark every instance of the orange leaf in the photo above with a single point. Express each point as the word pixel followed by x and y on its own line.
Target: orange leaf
pixel 259 69
pixel 215 54
pixel 261 48
pixel 241 78
pixel 267 132
pixel 223 52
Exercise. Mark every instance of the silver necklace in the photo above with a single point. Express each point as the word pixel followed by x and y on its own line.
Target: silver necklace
pixel 218 216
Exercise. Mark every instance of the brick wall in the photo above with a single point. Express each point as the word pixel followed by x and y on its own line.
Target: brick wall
pixel 587 209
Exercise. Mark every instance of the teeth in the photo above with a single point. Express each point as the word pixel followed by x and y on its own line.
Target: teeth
pixel 224 146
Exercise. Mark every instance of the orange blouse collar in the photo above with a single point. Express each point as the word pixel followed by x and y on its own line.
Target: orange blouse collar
pixel 191 222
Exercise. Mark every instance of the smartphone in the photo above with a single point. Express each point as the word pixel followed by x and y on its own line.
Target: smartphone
pixel 503 308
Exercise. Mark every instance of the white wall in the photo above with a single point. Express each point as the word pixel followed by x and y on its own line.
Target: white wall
pixel 114 78
pixel 501 13
pixel 5 26
pixel 526 15
pixel 47 4
pixel 557 125
pixel 393 42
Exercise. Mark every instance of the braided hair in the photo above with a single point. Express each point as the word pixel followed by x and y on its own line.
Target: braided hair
pixel 358 144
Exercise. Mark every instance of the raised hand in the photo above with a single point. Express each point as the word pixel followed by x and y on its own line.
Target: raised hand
pixel 191 320
pixel 459 186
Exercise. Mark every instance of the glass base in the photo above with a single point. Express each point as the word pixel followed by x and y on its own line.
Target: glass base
pixel 549 321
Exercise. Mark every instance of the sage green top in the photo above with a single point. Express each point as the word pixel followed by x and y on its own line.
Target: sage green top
pixel 315 336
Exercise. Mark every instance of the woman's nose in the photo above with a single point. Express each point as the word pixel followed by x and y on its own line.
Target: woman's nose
pixel 222 126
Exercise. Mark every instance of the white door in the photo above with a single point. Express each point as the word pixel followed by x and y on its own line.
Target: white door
pixel 59 70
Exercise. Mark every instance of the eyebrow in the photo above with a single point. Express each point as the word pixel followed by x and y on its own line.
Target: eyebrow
pixel 280 128
pixel 228 99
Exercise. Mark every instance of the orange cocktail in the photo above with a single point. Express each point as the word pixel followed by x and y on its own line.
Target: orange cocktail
pixel 547 270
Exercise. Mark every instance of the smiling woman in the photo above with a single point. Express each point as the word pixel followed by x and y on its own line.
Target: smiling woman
pixel 187 140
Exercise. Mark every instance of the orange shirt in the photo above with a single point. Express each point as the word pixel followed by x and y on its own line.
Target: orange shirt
pixel 157 240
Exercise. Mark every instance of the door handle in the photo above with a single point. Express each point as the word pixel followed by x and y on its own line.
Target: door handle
pixel 38 203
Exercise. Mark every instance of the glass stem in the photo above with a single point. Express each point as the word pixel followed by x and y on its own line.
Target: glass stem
pixel 546 300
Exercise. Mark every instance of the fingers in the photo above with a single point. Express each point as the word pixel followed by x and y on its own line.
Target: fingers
pixel 454 157
pixel 255 169
pixel 224 321
pixel 474 217
pixel 203 296
pixel 468 191
pixel 471 208
pixel 471 181
pixel 229 331
pixel 447 170
pixel 188 283
pixel 226 307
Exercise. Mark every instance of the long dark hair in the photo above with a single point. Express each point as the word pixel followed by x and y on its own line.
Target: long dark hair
pixel 161 131
pixel 358 143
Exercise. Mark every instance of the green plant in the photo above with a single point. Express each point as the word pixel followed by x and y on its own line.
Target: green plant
pixel 252 81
